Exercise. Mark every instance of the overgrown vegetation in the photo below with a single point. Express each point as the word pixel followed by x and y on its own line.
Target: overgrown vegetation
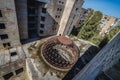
pixel 90 30
pixel 108 36
pixel 113 32
pixel 91 26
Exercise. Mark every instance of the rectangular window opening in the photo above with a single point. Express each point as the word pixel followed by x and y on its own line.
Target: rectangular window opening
pixel 42 25
pixel 8 76
pixel 13 53
pixel 43 10
pixel 0 13
pixel 41 31
pixel 6 44
pixel 42 18
pixel 18 71
pixel 4 36
pixel 2 26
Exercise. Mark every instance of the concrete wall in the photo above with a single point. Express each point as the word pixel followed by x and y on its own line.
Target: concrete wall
pixel 48 23
pixel 74 17
pixel 70 16
pixel 7 8
pixel 54 12
pixel 65 17
pixel 106 58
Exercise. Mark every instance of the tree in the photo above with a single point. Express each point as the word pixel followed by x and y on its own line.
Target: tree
pixel 90 25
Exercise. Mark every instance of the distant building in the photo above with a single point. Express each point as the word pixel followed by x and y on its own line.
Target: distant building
pixel 106 23
pixel 83 14
pixel 9 34
pixel 117 22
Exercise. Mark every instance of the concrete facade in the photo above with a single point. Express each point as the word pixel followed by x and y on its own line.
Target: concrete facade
pixel 54 12
pixel 42 18
pixel 9 34
pixel 11 62
pixel 45 16
pixel 70 16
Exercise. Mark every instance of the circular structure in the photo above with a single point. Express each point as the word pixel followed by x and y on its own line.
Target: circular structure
pixel 64 40
pixel 59 53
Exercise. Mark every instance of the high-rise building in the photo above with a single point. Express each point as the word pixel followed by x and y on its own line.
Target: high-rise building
pixel 45 17
pixel 34 19
pixel 83 15
pixel 9 34
pixel 39 18
pixel 70 16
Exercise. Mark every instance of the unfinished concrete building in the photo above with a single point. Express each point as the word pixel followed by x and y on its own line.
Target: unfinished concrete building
pixel 70 16
pixel 9 34
pixel 42 18
pixel 39 18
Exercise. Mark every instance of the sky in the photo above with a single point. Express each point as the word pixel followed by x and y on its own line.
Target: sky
pixel 108 7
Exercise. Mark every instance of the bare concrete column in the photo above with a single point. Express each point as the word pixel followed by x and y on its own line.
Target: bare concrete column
pixel 66 14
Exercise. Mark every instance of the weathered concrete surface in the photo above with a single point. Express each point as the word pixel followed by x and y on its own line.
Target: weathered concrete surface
pixel 7 8
pixel 6 58
pixel 70 16
pixel 10 62
pixel 106 58
pixel 66 14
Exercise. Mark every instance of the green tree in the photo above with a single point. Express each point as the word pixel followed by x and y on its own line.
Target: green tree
pixel 90 25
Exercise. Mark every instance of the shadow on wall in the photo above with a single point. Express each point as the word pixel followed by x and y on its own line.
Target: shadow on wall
pixel 110 74
pixel 34 20
pixel 82 61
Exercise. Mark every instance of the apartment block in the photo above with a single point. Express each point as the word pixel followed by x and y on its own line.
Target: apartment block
pixel 9 34
pixel 106 23
pixel 83 14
